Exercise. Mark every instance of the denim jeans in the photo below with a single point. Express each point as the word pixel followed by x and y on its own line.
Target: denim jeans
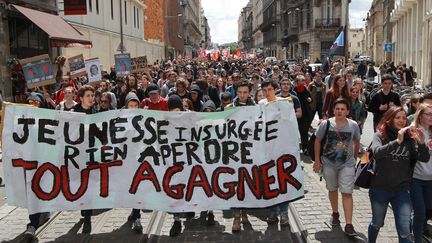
pixel 401 205
pixel 281 208
pixel 421 198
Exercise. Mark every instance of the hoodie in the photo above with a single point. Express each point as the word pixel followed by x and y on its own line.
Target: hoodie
pixel 197 104
pixel 209 104
pixel 174 102
pixel 131 96
pixel 249 102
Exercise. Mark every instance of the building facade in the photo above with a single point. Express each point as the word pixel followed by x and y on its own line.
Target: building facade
pixel 311 27
pixel 102 25
pixel 245 40
pixel 388 6
pixel 257 20
pixel 173 28
pixel 412 36
pixel 192 32
pixel 355 42
pixel 374 32
pixel 154 20
pixel 271 28
pixel 205 32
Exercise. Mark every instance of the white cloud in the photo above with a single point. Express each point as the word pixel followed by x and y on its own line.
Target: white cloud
pixel 222 16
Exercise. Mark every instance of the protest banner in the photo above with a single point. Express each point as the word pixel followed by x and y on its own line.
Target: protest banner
pixel 244 157
pixel 122 64
pixel 93 70
pixel 138 64
pixel 38 71
pixel 77 67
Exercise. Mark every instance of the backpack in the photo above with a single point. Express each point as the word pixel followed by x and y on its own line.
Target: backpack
pixel 311 148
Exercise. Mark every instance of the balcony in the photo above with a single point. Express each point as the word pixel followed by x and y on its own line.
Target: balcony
pixel 328 23
pixel 268 24
pixel 291 33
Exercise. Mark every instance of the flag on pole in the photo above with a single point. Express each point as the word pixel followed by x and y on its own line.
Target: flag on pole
pixel 338 47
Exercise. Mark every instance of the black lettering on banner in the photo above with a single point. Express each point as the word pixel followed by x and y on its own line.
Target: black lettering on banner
pixel 180 137
pixel 150 151
pixel 161 132
pixel 220 134
pixel 140 176
pixel 231 128
pixel 96 132
pixel 244 148
pixel 197 171
pixel 114 129
pixel 191 147
pixel 91 153
pixel 268 180
pixel 68 156
pixel 151 130
pixel 229 153
pixel 216 149
pixel 25 122
pixel 173 191
pixel 207 132
pixel 66 135
pixel 165 152
pixel 258 130
pixel 43 130
pixel 196 135
pixel 228 185
pixel 119 153
pixel 243 135
pixel 176 153
pixel 138 128
pixel 253 183
pixel 284 175
pixel 105 153
pixel 268 131
pixel 56 185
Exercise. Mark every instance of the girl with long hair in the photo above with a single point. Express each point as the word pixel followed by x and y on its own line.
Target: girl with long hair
pixel 396 148
pixel 339 89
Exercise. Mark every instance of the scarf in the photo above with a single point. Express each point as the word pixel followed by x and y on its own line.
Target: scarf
pixel 300 88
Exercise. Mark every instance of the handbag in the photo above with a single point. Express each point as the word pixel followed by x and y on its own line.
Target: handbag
pixel 365 171
pixel 311 147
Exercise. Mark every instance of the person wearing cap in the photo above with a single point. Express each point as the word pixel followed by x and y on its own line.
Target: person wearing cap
pixel 155 101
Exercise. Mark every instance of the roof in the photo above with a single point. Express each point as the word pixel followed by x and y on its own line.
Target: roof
pixel 59 31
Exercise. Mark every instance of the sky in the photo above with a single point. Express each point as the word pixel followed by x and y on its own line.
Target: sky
pixel 222 16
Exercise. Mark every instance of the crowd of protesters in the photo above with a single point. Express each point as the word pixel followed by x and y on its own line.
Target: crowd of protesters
pixel 335 93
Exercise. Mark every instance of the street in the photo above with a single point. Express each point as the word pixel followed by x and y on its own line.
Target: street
pixel 308 220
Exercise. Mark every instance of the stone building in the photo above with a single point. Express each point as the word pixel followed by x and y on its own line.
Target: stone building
pixel 174 11
pixel 412 36
pixel 192 32
pixel 26 30
pixel 374 32
pixel 154 20
pixel 205 31
pixel 245 40
pixel 102 25
pixel 355 42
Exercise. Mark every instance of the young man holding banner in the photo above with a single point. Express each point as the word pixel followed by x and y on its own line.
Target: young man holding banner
pixel 86 95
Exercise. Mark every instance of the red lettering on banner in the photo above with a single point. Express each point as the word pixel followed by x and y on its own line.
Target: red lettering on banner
pixel 104 175
pixel 27 165
pixel 140 176
pixel 230 185
pixel 268 180
pixel 197 170
pixel 173 191
pixel 66 184
pixel 254 184
pixel 40 193
pixel 284 175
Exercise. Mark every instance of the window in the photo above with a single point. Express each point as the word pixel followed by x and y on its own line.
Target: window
pixel 97 6
pixel 125 7
pixel 112 9
pixel 137 18
pixel 355 35
pixel 90 5
pixel 350 44
pixel 134 16
pixel 358 44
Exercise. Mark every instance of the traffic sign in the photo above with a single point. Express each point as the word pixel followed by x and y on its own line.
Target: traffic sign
pixel 388 47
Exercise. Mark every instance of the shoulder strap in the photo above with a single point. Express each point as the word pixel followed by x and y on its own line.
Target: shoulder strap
pixel 327 128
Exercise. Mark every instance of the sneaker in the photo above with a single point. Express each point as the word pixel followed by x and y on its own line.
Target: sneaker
pixel 87 226
pixel 284 221
pixel 272 219
pixel 175 229
pixel 136 226
pixel 335 219
pixel 349 230
pixel 210 218
pixel 236 227
pixel 30 231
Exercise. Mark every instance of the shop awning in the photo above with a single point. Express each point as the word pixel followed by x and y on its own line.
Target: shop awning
pixel 61 33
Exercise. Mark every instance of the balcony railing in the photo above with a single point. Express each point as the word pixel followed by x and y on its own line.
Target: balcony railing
pixel 327 23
